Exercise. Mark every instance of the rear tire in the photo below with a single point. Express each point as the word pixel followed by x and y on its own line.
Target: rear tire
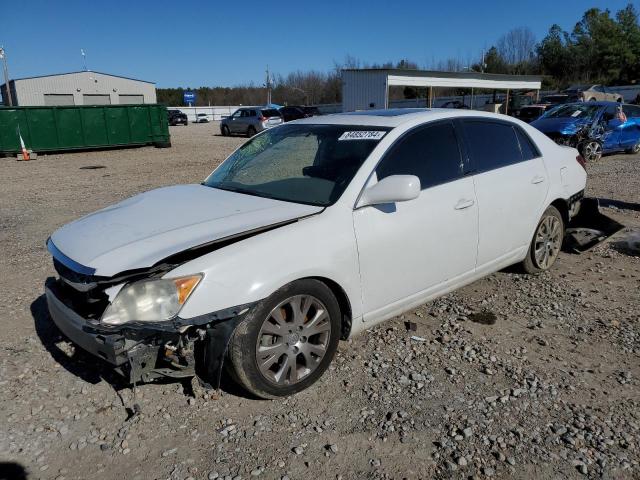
pixel 269 364
pixel 633 150
pixel 546 242
pixel 251 131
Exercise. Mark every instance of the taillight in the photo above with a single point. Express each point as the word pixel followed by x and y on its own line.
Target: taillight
pixel 582 161
pixel 263 119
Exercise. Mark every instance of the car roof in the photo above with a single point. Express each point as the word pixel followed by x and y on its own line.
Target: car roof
pixel 394 117
pixel 600 103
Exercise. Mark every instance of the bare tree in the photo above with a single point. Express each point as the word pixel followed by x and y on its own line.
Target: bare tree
pixel 517 46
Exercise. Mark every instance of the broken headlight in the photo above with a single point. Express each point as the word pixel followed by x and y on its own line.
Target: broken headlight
pixel 150 300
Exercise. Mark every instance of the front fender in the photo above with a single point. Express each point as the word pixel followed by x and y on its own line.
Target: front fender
pixel 250 270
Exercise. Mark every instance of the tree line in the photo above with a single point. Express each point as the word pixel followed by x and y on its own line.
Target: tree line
pixel 601 48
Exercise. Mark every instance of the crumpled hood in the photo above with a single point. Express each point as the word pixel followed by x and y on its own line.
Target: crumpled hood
pixel 144 229
pixel 559 125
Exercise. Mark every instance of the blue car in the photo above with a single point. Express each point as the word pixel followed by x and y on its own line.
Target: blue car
pixel 563 123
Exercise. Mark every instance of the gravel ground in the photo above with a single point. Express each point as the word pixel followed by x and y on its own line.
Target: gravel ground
pixel 511 377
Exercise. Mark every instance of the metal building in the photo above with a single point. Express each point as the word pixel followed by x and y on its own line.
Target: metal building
pixel 368 88
pixel 79 88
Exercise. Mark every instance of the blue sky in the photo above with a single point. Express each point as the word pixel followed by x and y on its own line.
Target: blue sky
pixel 229 43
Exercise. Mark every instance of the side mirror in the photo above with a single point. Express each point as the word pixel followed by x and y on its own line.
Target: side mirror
pixel 396 188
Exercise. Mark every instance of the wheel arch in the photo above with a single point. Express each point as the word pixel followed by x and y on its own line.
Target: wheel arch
pixel 346 321
pixel 563 207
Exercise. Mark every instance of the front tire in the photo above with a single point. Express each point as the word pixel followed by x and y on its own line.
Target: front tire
pixel 287 341
pixel 225 131
pixel 546 243
pixel 591 150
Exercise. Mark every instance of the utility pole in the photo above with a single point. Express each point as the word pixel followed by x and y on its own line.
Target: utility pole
pixel 268 85
pixel 3 57
pixel 84 59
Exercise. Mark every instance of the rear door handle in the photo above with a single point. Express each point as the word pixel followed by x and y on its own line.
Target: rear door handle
pixel 537 179
pixel 462 204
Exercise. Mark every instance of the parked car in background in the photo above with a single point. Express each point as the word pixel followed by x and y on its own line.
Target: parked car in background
pixel 201 118
pixel 530 113
pixel 516 102
pixel 592 93
pixel 292 113
pixel 556 99
pixel 597 122
pixel 176 117
pixel 311 111
pixel 250 120
pixel 454 104
pixel 307 234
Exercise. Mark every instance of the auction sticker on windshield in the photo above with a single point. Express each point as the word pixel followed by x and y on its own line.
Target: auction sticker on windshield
pixel 362 135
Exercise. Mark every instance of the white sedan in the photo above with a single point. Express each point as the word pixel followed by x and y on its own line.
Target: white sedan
pixel 307 234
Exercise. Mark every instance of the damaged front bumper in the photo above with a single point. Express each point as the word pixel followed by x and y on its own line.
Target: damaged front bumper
pixel 145 351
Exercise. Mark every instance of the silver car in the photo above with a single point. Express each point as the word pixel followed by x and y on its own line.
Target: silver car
pixel 250 120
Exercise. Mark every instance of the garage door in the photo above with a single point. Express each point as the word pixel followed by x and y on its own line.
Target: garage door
pixel 54 99
pixel 96 99
pixel 131 99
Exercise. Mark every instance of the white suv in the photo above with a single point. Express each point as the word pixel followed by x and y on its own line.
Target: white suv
pixel 310 232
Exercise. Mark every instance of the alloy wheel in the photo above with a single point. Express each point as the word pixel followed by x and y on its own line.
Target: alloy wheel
pixel 548 241
pixel 293 340
pixel 592 151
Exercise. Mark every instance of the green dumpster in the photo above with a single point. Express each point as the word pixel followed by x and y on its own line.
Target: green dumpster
pixel 59 129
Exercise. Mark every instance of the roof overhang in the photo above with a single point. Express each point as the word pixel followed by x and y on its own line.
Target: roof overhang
pixel 431 78
pixel 457 82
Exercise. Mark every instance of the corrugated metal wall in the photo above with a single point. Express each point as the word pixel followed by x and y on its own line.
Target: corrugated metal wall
pixel 364 90
pixel 32 91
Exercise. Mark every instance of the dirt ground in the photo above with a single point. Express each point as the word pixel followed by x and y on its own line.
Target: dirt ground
pixel 548 389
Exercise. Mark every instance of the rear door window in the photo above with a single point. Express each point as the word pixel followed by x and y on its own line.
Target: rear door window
pixel 431 153
pixel 491 144
pixel 631 111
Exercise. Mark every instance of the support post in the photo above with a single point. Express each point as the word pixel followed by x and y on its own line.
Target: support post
pixel 430 97
pixel 471 106
pixel 506 104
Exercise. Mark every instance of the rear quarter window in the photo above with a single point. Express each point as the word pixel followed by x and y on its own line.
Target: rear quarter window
pixel 527 146
pixel 491 144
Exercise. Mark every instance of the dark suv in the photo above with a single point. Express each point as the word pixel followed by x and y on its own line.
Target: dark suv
pixel 292 113
pixel 176 117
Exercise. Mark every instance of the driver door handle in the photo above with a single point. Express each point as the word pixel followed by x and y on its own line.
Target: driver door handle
pixel 537 179
pixel 464 203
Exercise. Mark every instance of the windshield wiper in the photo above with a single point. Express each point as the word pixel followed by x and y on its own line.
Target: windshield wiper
pixel 246 192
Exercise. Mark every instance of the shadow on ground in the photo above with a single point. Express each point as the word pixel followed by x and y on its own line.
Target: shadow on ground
pixel 12 471
pixel 80 363
pixel 608 202
pixel 94 370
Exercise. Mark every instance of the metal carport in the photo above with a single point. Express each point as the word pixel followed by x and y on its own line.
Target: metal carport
pixel 368 88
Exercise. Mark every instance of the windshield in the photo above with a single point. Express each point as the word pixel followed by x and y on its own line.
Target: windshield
pixel 311 164
pixel 576 110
